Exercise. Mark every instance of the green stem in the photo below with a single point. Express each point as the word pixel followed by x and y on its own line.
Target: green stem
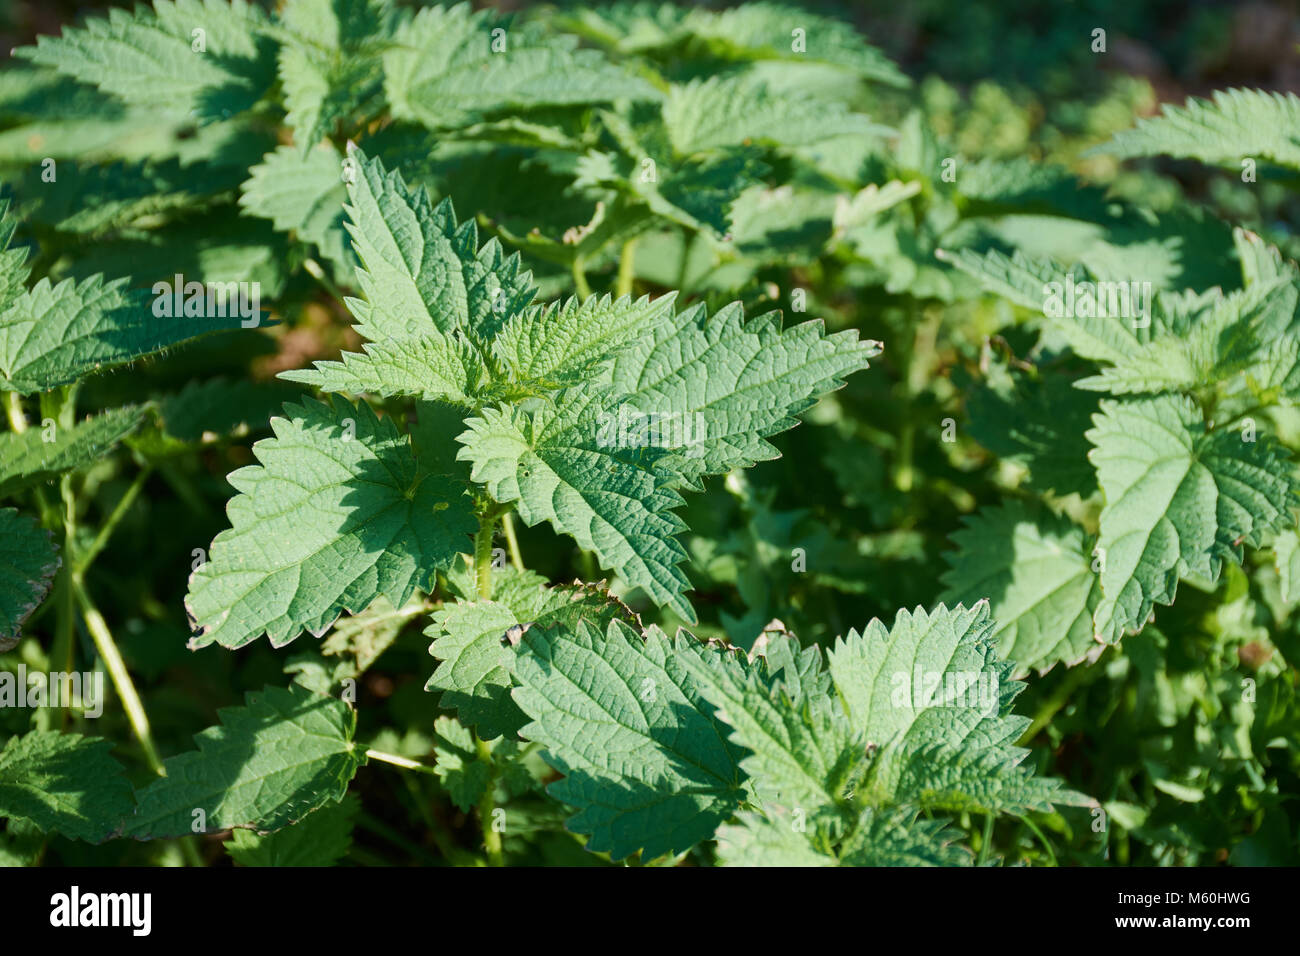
pixel 190 851
pixel 61 405
pixel 487 526
pixel 626 268
pixel 14 412
pixel 516 556
pixel 587 565
pixel 688 246
pixel 1051 856
pixel 64 405
pixel 117 671
pixel 125 687
pixel 66 611
pixel 580 278
pixel 126 691
pixel 110 524
pixel 314 269
pixel 13 403
pixel 903 474
pixel 986 840
pixel 398 761
pixel 487 808
pixel 920 363
pixel 441 838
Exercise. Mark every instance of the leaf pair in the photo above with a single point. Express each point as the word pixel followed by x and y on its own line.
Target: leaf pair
pixel 663 740
pixel 591 415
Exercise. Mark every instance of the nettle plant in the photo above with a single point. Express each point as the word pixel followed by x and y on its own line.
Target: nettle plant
pixel 1108 430
pixel 131 137
pixel 595 415
pixel 1188 470
pixel 1150 419
pixel 1189 407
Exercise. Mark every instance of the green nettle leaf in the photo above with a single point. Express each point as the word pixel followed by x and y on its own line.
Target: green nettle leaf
pixel 466 774
pixel 776 31
pixel 878 838
pixel 284 754
pixel 64 783
pixel 436 367
pixel 559 464
pixel 1262 264
pixel 103 199
pixel 719 386
pixel 1183 342
pixel 753 32
pixel 820 764
pixel 422 273
pixel 901 838
pixel 1039 425
pixel 474 673
pixel 220 406
pixel 362 638
pixel 1018 278
pixel 321 838
pixel 1020 185
pixel 1180 499
pixel 353 645
pixel 329 63
pixel 783 225
pixel 563 344
pixel 39 454
pixel 339 512
pixel 463 773
pixel 645 760
pixel 1231 125
pixel 637 402
pixel 13 262
pixel 450 67
pixel 697 192
pixel 28 560
pixel 1210 339
pixel 802 671
pixel 933 703
pixel 55 334
pixel 333 25
pixel 1037 284
pixel 208 57
pixel 862 210
pixel 1287 551
pixel 218 247
pixel 1035 568
pixel 628 26
pixel 803 753
pixel 771 840
pixel 730 111
pixel 303 193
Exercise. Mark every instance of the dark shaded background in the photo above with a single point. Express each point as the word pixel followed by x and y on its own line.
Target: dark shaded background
pixel 1181 46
